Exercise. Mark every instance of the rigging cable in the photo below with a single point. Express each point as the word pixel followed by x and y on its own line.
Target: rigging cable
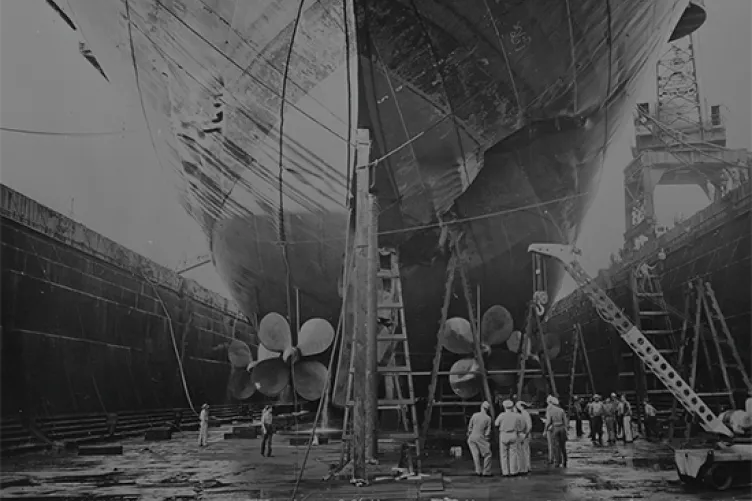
pixel 349 104
pixel 174 344
pixel 138 82
pixel 282 235
pixel 64 134
pixel 340 328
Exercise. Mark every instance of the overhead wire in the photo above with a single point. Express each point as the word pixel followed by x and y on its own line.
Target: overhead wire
pixel 64 134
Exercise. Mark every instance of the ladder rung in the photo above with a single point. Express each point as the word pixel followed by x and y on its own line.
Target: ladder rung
pixel 715 394
pixel 626 374
pixel 461 403
pixel 392 337
pixel 653 313
pixel 657 331
pixel 394 306
pixel 387 273
pixel 649 294
pixel 396 402
pixel 394 370
pixel 452 413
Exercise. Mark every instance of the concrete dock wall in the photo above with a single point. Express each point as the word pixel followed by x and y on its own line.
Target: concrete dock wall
pixel 713 244
pixel 90 326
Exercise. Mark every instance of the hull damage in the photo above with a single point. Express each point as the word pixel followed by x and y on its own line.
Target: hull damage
pixel 494 119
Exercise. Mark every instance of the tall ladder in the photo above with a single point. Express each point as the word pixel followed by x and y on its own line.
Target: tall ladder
pixel 707 312
pixel 396 369
pixel 453 268
pixel 579 346
pixel 652 318
pixel 534 328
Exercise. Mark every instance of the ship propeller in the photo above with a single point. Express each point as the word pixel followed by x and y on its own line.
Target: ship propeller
pixel 280 361
pixel 239 384
pixel 457 337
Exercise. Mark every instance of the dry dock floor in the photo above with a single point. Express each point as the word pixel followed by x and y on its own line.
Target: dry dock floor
pixel 234 469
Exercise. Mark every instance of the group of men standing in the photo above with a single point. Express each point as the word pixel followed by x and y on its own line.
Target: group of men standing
pixel 514 426
pixel 615 413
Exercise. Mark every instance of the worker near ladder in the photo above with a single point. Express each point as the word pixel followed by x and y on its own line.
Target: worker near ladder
pixel 557 424
pixel 524 442
pixel 547 432
pixel 609 418
pixel 578 412
pixel 267 428
pixel 651 420
pixel 479 440
pixel 510 425
pixel 596 420
pixel 625 410
pixel 748 403
pixel 203 430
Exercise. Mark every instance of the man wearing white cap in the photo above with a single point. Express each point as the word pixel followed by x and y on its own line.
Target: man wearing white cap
pixel 479 440
pixel 547 432
pixel 524 441
pixel 510 426
pixel 557 424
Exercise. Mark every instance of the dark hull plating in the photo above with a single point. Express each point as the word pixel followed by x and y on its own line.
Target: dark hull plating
pixel 516 101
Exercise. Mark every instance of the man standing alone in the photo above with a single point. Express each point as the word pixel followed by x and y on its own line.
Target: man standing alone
pixel 651 420
pixel 557 424
pixel 625 409
pixel 578 411
pixel 479 440
pixel 267 427
pixel 203 430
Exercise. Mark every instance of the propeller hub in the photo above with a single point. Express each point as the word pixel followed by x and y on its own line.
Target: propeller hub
pixel 486 349
pixel 291 355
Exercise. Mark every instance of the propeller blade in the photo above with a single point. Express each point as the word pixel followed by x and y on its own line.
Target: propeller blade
pixel 513 343
pixel 263 354
pixel 316 335
pixel 465 386
pixel 309 379
pixel 270 376
pixel 240 384
pixel 239 354
pixel 274 332
pixel 496 325
pixel 501 360
pixel 553 344
pixel 457 336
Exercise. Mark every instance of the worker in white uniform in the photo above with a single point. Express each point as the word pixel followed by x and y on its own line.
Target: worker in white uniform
pixel 203 431
pixel 524 441
pixel 547 432
pixel 479 440
pixel 510 426
pixel 748 403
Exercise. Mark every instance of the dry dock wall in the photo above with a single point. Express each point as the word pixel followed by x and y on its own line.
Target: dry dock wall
pixel 83 328
pixel 713 244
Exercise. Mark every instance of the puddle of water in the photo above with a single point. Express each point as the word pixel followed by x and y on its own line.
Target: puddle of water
pixel 654 464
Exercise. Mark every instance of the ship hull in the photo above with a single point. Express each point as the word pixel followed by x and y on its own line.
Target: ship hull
pixel 494 120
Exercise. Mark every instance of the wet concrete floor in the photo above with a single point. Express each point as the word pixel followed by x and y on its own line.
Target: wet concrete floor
pixel 234 469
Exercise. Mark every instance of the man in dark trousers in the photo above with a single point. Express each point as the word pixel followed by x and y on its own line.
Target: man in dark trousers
pixel 267 428
pixel 578 411
pixel 596 420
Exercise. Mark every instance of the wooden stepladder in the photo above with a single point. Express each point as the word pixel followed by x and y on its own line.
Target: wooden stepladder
pixel 394 363
pixel 709 319
pixel 579 346
pixel 453 267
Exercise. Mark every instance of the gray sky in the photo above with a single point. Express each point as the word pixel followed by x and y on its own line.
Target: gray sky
pixel 114 184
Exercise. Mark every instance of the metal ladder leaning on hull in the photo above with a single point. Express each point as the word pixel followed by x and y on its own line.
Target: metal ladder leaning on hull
pixel 652 317
pixel 392 330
